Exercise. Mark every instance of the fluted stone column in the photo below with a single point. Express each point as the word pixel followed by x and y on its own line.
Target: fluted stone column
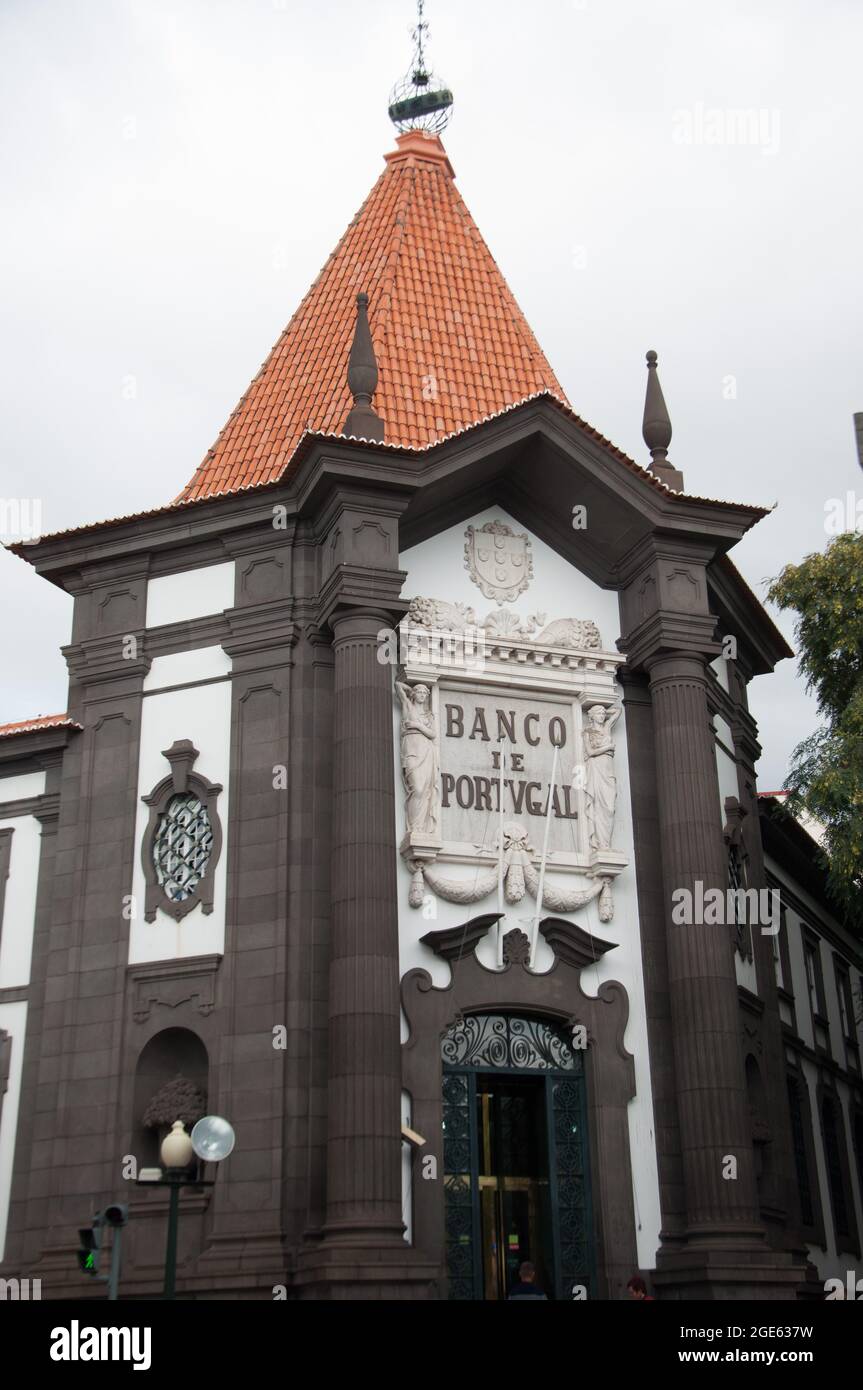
pixel 714 1122
pixel 363 1147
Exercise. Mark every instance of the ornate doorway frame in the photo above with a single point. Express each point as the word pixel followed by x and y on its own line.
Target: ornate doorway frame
pixel 497 1048
pixel 556 996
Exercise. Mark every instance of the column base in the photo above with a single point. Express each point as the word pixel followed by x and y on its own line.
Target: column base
pixel 755 1275
pixel 361 1271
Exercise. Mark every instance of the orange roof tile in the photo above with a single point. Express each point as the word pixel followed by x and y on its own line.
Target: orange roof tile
pixel 42 721
pixel 452 344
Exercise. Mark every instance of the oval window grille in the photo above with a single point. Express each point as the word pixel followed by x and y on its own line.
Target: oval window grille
pixel 182 846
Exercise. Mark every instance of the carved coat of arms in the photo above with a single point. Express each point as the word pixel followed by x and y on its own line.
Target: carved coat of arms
pixel 498 560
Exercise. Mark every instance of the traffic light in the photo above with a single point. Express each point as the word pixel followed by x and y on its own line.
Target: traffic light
pixel 91 1240
pixel 116 1215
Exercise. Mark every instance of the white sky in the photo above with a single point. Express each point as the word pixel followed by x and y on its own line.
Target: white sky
pixel 174 175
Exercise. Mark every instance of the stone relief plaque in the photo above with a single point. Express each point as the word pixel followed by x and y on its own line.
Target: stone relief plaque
pixel 480 722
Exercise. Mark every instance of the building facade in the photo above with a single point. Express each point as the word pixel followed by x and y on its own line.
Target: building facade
pixel 405 814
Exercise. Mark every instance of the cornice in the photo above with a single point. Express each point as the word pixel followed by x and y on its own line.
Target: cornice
pixel 97 660
pixel 44 747
pixel 264 627
pixel 45 807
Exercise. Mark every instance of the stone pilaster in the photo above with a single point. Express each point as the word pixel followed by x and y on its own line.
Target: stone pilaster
pixel 711 1096
pixel 362 1253
pixel 725 1252
pixel 363 1152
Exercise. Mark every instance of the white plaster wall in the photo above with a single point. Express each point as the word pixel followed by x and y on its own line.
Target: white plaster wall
pixel 726 767
pixel 184 668
pixel 173 598
pixel 19 911
pixel 13 1020
pixel 21 785
pixel 201 713
pixel 435 569
pixel 720 666
pixel 409 1159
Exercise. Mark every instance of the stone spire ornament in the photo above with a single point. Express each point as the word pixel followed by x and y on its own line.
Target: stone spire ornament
pixel 657 429
pixel 363 422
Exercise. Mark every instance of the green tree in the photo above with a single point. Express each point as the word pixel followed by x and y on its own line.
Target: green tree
pixel 826 774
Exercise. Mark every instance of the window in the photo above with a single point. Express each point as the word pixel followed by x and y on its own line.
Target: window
pixel 5 856
pixel 801 1160
pixel 858 1145
pixel 777 958
pixel 810 977
pixel 738 876
pixel 814 977
pixel 182 846
pixel 846 1006
pixel 737 882
pixel 183 839
pixel 832 1130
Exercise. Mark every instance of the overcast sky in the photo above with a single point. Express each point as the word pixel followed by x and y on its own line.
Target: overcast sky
pixel 174 175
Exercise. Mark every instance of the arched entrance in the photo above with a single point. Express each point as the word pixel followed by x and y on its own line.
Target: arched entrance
pixel 516 1157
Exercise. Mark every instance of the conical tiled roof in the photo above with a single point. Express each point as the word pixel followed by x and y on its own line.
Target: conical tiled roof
pixel 452 344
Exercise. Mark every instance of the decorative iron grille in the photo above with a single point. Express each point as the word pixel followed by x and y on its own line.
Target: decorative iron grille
pixel 182 846
pixel 572 1207
pixel 736 882
pixel 495 1040
pixel 459 1183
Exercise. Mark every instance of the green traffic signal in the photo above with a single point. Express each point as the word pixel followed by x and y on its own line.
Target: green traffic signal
pixel 88 1255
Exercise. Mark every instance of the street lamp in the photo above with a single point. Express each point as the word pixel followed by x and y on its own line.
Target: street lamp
pixel 212 1139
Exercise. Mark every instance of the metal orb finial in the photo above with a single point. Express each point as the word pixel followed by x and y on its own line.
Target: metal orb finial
pixel 420 101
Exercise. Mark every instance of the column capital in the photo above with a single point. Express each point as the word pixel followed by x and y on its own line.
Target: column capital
pixel 674 666
pixel 353 590
pixel 357 623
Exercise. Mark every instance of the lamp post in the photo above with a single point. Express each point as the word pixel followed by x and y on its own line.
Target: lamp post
pixel 212 1139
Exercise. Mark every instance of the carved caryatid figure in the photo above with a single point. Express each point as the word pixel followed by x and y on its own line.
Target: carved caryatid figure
pixel 419 758
pixel 600 783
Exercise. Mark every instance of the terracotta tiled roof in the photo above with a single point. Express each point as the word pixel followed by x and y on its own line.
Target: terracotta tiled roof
pixel 42 721
pixel 452 345
pixel 309 438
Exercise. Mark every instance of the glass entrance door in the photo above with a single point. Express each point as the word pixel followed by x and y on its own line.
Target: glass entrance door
pixel 513 1181
pixel 517 1181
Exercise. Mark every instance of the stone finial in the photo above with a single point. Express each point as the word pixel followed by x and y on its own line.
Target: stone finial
pixel 657 428
pixel 363 422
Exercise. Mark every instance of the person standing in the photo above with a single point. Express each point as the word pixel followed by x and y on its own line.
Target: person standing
pixel 527 1286
pixel 638 1290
